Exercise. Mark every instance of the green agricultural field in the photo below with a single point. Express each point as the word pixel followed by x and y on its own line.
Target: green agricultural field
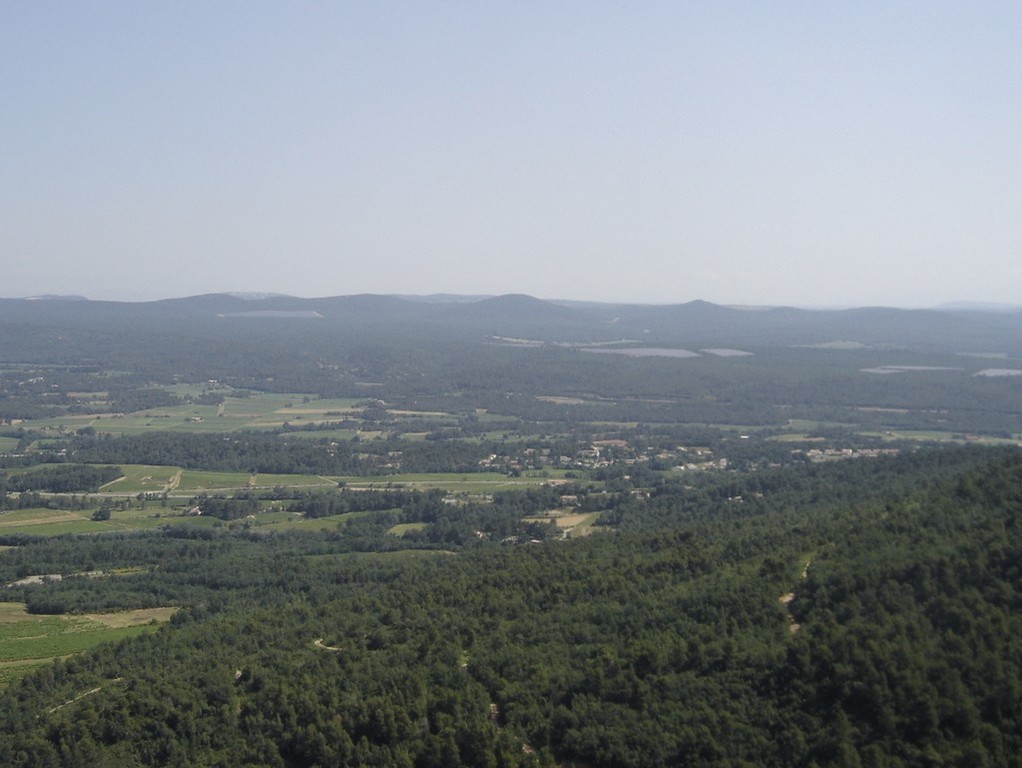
pixel 28 641
pixel 476 482
pixel 144 478
pixel 49 522
pixel 402 528
pixel 279 521
pixel 8 444
pixel 484 416
pixel 333 408
pixel 182 418
pixel 290 481
pixel 337 435
pixel 203 480
pixel 152 515
pixel 258 411
pixel 805 425
pixel 272 410
pixel 274 519
pixel 941 437
pixel 794 437
pixel 175 521
pixel 55 522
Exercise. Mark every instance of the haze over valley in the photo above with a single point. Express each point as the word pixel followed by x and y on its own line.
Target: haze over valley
pixel 524 385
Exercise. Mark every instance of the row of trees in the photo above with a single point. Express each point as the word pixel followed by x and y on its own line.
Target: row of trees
pixel 60 478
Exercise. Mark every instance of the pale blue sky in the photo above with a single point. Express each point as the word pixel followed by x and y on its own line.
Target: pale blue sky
pixel 807 153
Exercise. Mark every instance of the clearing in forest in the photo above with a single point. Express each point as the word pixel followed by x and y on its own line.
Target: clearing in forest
pixel 28 641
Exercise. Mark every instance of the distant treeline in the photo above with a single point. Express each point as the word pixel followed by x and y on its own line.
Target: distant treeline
pixel 62 478
pixel 278 454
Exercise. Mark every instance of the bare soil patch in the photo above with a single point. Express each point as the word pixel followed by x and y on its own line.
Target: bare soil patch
pixel 133 618
pixel 570 521
pixel 64 517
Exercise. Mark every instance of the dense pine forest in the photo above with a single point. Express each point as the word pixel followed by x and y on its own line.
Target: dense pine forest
pixel 860 613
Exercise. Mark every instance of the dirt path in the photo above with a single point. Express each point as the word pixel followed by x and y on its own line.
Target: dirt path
pixel 81 696
pixel 318 642
pixel 173 483
pixel 120 479
pixel 786 600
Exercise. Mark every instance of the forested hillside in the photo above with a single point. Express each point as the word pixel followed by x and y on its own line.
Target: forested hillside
pixel 857 613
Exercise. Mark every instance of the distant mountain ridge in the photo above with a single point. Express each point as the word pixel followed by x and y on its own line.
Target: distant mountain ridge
pixel 522 316
pixel 55 297
pixel 978 306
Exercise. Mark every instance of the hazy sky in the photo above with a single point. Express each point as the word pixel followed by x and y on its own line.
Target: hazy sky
pixel 808 153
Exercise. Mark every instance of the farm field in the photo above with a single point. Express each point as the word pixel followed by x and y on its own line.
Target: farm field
pixel 203 480
pixel 50 522
pixel 402 528
pixel 262 480
pixel 152 515
pixel 175 481
pixel 933 436
pixel 143 478
pixel 267 410
pixel 29 641
pixel 481 482
pixel 286 521
pixel 258 411
pixel 337 435
pixel 183 418
pixel 571 523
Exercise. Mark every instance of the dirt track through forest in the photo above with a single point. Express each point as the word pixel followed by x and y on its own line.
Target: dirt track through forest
pixel 787 599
